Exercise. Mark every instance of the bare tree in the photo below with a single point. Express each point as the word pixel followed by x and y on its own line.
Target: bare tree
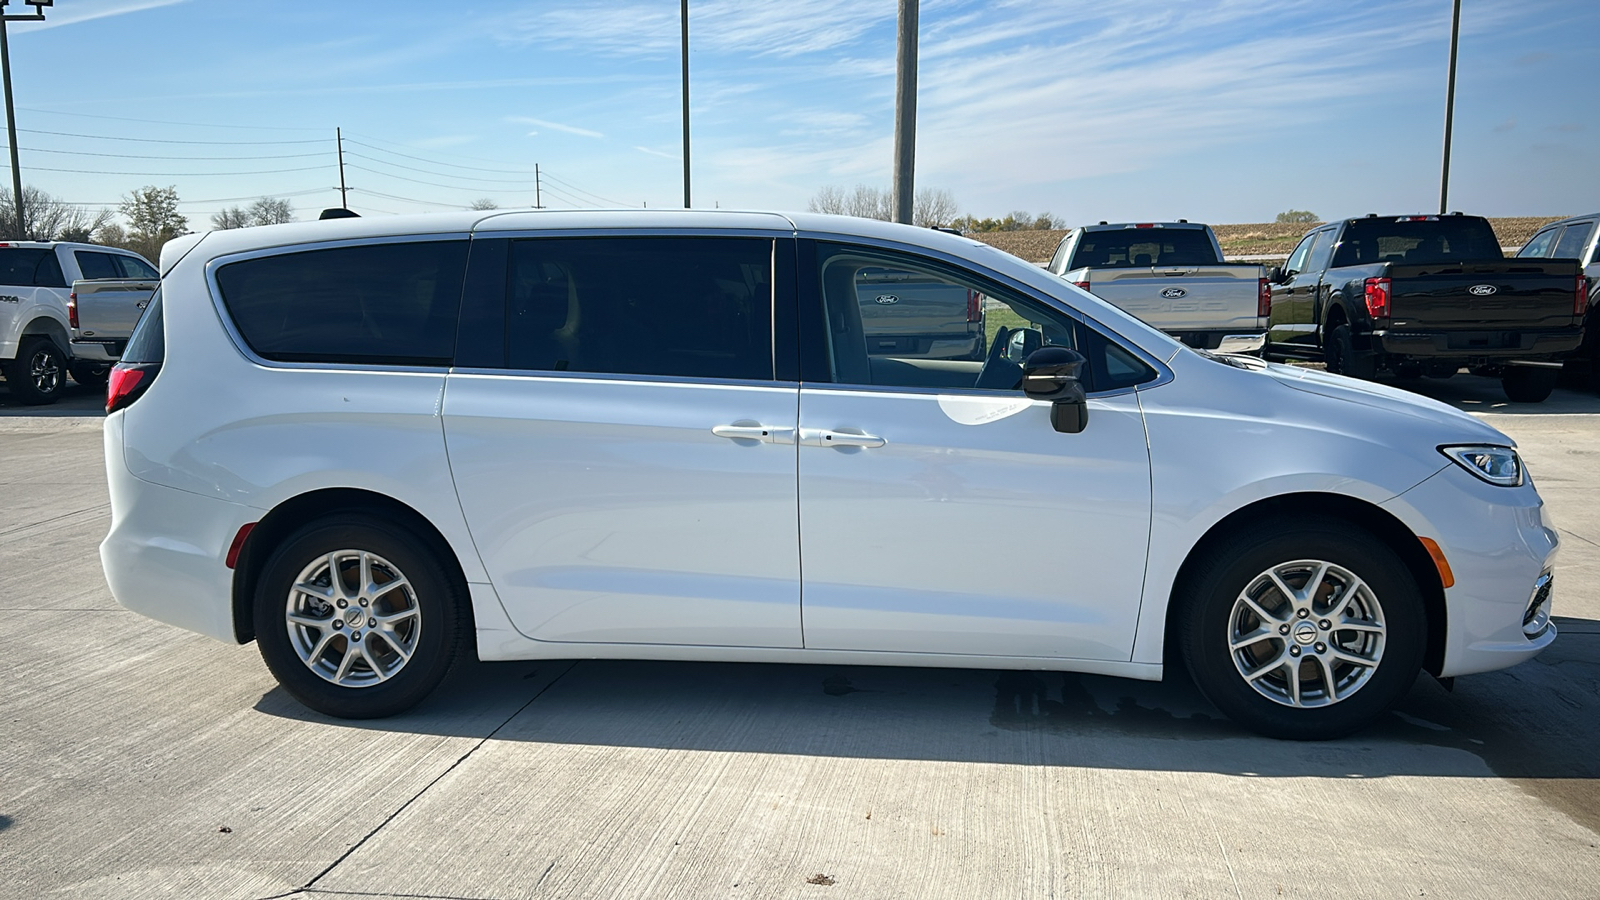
pixel 868 202
pixel 483 204
pixel 44 218
pixel 271 211
pixel 828 199
pixel 232 217
pixel 933 207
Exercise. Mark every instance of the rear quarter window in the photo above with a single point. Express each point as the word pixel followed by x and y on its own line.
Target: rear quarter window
pixel 30 267
pixel 392 303
pixel 1133 248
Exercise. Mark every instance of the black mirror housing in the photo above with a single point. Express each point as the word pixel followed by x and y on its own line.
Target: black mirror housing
pixel 1051 373
pixel 1275 275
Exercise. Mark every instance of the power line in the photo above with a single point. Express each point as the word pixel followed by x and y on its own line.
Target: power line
pixel 421 150
pixel 560 195
pixel 436 161
pixel 401 199
pixel 179 174
pixel 52 112
pixel 166 158
pixel 107 137
pixel 582 191
pixel 448 187
pixel 274 194
pixel 433 172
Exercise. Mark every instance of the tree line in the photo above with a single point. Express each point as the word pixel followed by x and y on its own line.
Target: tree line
pixel 930 208
pixel 151 215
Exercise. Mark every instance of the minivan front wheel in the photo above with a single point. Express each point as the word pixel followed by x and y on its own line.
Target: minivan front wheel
pixel 355 617
pixel 1303 630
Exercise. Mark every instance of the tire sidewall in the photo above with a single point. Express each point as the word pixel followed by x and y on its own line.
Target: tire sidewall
pixel 1209 605
pixel 19 374
pixel 438 601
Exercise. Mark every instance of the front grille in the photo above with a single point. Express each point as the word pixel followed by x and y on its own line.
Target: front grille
pixel 1536 620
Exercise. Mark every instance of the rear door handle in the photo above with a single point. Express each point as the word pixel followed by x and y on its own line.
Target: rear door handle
pixel 754 433
pixel 819 437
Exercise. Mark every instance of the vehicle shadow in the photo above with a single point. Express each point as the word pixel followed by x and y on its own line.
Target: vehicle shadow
pixel 1478 394
pixel 1537 723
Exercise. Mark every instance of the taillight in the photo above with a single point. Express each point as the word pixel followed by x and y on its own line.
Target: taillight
pixel 1263 297
pixel 1378 291
pixel 974 306
pixel 1580 300
pixel 127 382
pixel 72 309
pixel 1081 284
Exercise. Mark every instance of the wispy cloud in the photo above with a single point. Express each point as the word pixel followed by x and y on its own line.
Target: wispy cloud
pixel 89 10
pixel 746 27
pixel 657 153
pixel 553 126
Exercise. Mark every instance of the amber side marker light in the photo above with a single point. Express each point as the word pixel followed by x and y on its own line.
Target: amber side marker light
pixel 1446 577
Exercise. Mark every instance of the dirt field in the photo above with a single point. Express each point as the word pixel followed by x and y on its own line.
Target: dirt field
pixel 1253 239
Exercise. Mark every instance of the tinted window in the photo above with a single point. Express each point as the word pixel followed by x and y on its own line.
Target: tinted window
pixel 30 267
pixel 1297 259
pixel 1058 260
pixel 1320 251
pixel 1131 248
pixel 1574 238
pixel 148 343
pixel 379 303
pixel 133 267
pixel 685 307
pixel 1416 240
pixel 1540 245
pixel 95 266
pixel 946 329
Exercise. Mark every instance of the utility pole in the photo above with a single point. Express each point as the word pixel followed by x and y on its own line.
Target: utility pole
pixel 11 115
pixel 338 135
pixel 538 193
pixel 684 6
pixel 1449 109
pixel 905 112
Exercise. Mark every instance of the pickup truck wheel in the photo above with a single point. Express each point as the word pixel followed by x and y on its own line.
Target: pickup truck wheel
pixel 1342 357
pixel 356 618
pixel 1306 630
pixel 1526 384
pixel 39 372
pixel 90 374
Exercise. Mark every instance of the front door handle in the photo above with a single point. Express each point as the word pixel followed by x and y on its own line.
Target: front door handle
pixel 819 437
pixel 754 433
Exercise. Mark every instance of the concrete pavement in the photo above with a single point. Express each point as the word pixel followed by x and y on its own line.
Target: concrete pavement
pixel 137 760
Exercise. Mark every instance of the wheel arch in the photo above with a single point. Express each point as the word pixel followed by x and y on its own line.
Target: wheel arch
pixel 49 327
pixel 1358 513
pixel 294 512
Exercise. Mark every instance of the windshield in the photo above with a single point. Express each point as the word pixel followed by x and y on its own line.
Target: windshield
pixel 1133 248
pixel 1414 240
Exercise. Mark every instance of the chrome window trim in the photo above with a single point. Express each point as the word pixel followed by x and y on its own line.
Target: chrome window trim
pixel 615 378
pixel 522 234
pixel 1163 372
pixel 226 318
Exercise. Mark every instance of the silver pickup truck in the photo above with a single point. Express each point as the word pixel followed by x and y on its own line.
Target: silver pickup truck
pixel 913 314
pixel 1171 275
pixel 103 312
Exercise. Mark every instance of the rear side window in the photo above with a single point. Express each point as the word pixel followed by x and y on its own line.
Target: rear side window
pixel 1414 240
pixel 30 267
pixel 1573 239
pixel 379 303
pixel 677 307
pixel 1133 248
pixel 96 266
pixel 136 268
pixel 148 343
pixel 1540 244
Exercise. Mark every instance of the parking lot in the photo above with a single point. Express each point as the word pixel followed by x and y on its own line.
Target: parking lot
pixel 137 760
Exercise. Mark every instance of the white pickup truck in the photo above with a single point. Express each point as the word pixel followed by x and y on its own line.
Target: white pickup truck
pixel 1171 275
pixel 37 346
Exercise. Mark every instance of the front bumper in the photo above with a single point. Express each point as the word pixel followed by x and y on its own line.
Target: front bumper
pixel 1499 543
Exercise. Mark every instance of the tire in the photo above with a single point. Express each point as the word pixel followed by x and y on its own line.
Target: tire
pixel 1241 658
pixel 39 373
pixel 314 662
pixel 90 374
pixel 1527 384
pixel 1340 353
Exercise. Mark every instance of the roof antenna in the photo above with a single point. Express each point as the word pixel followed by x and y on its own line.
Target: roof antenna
pixel 339 212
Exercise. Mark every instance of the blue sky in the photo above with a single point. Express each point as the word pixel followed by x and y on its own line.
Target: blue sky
pixel 1227 111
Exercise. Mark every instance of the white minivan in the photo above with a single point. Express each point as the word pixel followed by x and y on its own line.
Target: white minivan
pixel 375 445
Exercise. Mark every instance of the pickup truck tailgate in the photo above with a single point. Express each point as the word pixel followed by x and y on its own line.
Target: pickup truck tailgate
pixel 1525 293
pixel 108 309
pixel 1223 297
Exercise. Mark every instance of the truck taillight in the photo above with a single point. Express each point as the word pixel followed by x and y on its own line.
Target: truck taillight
pixel 127 382
pixel 1580 300
pixel 1081 284
pixel 974 306
pixel 1378 291
pixel 1263 297
pixel 72 309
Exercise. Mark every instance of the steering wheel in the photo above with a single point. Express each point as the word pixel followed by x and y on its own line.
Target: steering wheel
pixel 998 373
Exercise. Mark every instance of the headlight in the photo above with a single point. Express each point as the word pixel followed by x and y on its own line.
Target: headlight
pixel 1496 465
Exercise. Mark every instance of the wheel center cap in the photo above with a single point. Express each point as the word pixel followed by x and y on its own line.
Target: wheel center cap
pixel 1305 633
pixel 355 617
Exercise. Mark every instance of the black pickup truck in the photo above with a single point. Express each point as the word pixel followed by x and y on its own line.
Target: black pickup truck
pixel 1426 295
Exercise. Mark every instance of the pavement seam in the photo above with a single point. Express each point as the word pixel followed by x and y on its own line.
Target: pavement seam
pixel 77 512
pixel 311 885
pixel 332 893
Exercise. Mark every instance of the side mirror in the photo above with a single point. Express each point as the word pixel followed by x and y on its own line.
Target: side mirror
pixel 1023 342
pixel 1275 275
pixel 1051 373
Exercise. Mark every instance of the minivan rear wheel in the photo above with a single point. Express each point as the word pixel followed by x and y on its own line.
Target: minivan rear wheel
pixel 355 617
pixel 1306 630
